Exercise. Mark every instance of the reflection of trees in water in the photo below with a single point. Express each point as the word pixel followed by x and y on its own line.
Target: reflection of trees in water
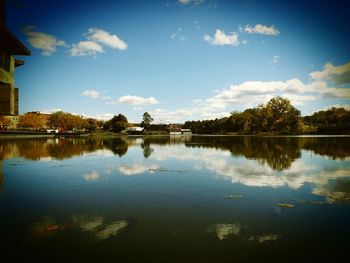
pixel 278 152
pixel 333 147
pixel 55 148
pixel 36 149
pixel 119 146
pixel 147 150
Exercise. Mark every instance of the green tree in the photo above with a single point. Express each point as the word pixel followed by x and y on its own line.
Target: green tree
pixel 118 123
pixel 282 116
pixel 146 120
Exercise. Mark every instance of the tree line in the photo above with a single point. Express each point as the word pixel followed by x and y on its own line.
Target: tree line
pixel 277 116
pixel 63 121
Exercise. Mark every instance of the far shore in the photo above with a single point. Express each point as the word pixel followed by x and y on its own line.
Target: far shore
pixel 33 134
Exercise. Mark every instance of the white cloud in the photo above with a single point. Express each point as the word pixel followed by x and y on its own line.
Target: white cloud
pixel 260 29
pixel 111 230
pixel 220 38
pixel 345 106
pixel 135 100
pixel 46 43
pixel 299 99
pixel 167 116
pixel 337 74
pixel 184 114
pixel 138 168
pixel 225 230
pixel 252 93
pixel 104 37
pixel 87 223
pixel 86 48
pixel 94 94
pixel 93 176
pixel 50 111
pixel 103 116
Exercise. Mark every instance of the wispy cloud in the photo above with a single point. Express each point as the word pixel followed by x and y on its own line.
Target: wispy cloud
pixel 275 59
pixel 260 29
pixel 221 39
pixel 106 38
pixel 196 25
pixel 86 48
pixel 177 35
pixel 187 2
pixel 94 94
pixel 93 176
pixel 136 100
pixel 49 111
pixel 45 42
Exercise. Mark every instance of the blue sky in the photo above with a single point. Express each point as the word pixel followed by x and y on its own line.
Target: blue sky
pixel 180 60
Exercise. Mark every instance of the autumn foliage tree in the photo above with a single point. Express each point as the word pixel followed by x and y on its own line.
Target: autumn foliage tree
pixel 34 121
pixel 67 121
pixel 4 122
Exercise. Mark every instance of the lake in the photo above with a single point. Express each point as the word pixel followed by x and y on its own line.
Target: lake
pixel 175 199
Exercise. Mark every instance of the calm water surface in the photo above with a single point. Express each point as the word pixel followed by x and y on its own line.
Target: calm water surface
pixel 175 199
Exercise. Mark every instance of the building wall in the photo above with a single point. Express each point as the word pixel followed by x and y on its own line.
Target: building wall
pixel 7 91
pixel 7 74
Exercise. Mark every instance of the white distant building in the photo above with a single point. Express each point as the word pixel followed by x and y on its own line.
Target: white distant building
pixel 186 131
pixel 134 129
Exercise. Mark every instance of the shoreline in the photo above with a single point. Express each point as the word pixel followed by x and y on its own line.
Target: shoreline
pixel 20 135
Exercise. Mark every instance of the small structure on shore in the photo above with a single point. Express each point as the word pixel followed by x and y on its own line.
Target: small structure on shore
pixel 186 131
pixel 134 130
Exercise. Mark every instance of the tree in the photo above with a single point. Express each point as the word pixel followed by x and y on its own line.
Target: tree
pixel 35 121
pixel 118 123
pixel 282 116
pixel 146 120
pixel 92 124
pixel 67 121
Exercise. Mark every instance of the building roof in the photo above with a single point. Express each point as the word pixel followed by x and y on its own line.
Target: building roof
pixel 11 43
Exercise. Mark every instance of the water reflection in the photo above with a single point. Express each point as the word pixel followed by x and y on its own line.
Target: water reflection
pixel 251 161
pixel 243 232
pixel 96 226
pixel 201 196
pixel 278 152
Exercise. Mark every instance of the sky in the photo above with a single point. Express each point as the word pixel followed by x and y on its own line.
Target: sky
pixel 180 60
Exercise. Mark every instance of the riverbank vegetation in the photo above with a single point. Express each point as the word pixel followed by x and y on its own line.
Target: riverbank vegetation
pixel 277 116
